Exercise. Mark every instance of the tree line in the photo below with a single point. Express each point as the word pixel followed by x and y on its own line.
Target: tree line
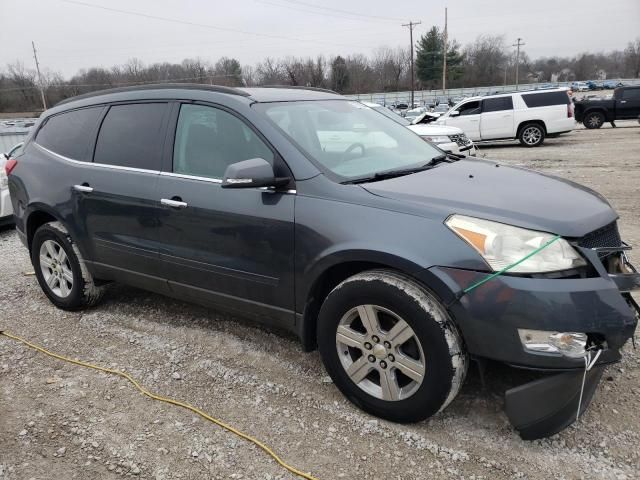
pixel 489 60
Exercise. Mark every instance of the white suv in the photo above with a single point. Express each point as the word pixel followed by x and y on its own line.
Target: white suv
pixel 529 116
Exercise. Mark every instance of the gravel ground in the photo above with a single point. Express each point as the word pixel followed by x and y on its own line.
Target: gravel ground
pixel 62 421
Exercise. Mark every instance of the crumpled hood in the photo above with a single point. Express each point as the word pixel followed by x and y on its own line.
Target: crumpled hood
pixel 433 130
pixel 510 195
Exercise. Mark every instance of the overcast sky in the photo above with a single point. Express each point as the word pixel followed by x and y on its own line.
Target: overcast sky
pixel 70 35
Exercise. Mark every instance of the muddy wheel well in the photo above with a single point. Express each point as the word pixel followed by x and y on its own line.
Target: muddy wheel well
pixel 319 291
pixel 35 221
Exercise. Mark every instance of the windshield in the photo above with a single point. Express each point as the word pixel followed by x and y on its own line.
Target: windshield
pixel 393 116
pixel 348 138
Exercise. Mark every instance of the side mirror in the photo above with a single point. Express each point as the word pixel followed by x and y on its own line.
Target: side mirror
pixel 255 172
pixel 454 113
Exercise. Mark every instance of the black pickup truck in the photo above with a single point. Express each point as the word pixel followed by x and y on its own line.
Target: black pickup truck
pixel 624 105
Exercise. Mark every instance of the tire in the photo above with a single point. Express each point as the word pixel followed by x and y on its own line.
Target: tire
pixel 63 277
pixel 593 120
pixel 531 135
pixel 422 341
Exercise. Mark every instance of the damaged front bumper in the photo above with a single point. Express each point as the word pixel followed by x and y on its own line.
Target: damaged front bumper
pixel 489 317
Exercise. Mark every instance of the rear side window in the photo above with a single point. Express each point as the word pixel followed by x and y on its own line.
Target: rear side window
pixel 70 134
pixel 132 136
pixel 631 94
pixel 497 104
pixel 209 139
pixel 545 99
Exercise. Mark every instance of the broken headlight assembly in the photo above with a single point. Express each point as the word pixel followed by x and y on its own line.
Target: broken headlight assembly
pixel 568 344
pixel 503 245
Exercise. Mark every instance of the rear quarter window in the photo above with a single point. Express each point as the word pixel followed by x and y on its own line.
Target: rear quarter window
pixel 71 133
pixel 545 99
pixel 132 136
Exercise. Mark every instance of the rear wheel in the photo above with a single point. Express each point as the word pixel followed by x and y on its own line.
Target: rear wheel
pixel 390 346
pixel 60 269
pixel 532 135
pixel 593 120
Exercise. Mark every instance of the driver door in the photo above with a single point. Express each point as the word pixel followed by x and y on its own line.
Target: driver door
pixel 468 118
pixel 225 247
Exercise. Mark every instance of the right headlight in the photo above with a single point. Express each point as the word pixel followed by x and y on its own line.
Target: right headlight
pixel 502 245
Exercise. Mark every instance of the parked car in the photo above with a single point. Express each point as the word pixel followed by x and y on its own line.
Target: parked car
pixel 398 261
pixel 593 85
pixel 529 116
pixel 6 209
pixel 414 113
pixel 611 84
pixel 441 108
pixel 580 87
pixel 449 139
pixel 624 105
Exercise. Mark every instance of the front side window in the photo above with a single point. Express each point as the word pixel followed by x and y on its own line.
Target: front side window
pixel 497 104
pixel 209 139
pixel 469 108
pixel 132 136
pixel 348 138
pixel 70 134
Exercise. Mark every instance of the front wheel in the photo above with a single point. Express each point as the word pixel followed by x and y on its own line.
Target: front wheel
pixel 532 135
pixel 390 346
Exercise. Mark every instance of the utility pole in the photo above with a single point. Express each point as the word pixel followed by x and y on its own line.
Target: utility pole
pixel 411 25
pixel 35 57
pixel 444 57
pixel 518 45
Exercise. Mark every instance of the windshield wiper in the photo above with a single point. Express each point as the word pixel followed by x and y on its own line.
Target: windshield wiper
pixel 448 157
pixel 390 174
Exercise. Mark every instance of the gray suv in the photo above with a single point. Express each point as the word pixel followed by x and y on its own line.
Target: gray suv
pixel 318 215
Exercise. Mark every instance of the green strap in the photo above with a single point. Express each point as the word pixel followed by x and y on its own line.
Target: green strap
pixel 509 267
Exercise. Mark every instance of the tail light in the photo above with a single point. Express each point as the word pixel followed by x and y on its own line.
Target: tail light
pixel 570 108
pixel 10 165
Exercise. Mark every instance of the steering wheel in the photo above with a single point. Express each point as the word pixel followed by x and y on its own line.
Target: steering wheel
pixel 352 147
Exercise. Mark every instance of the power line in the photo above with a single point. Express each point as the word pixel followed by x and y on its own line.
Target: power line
pixel 320 7
pixel 201 25
pixel 326 14
pixel 119 84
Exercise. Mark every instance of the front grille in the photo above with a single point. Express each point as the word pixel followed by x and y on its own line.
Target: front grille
pixel 607 236
pixel 461 139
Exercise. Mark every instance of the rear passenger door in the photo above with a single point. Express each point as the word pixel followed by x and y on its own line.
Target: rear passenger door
pixel 116 196
pixel 225 247
pixel 496 120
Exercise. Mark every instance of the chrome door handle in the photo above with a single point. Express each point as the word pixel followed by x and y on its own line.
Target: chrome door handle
pixel 173 203
pixel 83 188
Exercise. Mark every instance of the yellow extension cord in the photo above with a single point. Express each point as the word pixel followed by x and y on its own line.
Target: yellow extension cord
pixel 146 392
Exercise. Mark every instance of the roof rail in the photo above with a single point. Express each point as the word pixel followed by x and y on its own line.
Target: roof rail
pixel 300 87
pixel 157 86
